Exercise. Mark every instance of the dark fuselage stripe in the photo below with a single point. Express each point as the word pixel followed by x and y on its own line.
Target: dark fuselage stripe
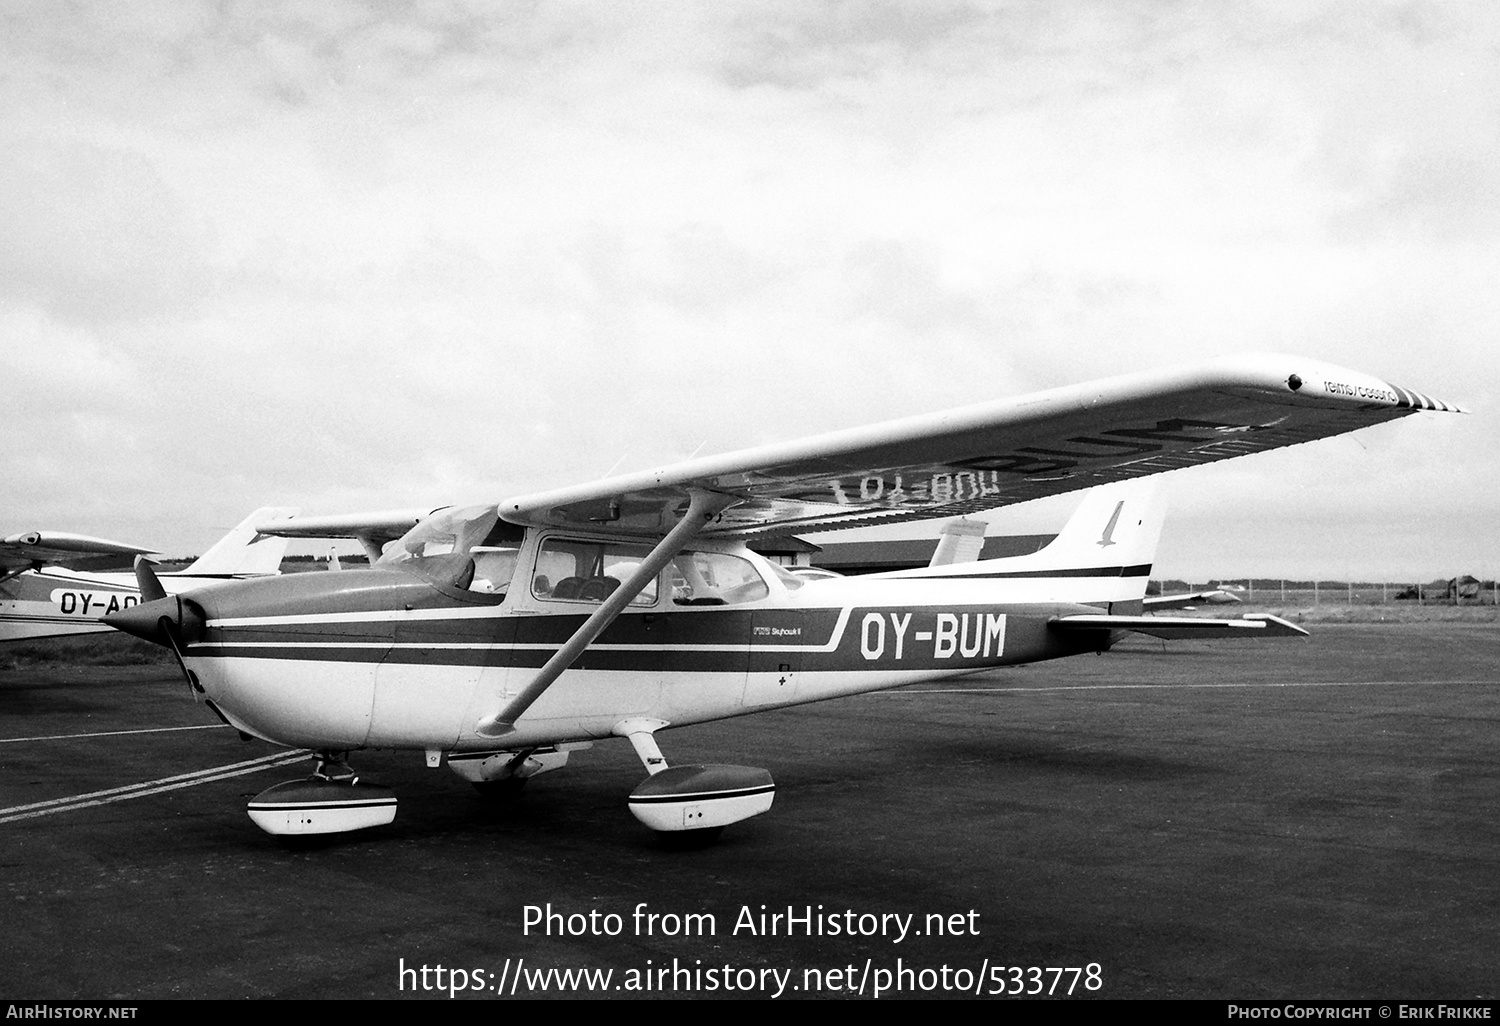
pixel 1139 570
pixel 698 796
pixel 366 803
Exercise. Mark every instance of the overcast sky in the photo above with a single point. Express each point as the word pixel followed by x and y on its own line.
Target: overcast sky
pixel 352 256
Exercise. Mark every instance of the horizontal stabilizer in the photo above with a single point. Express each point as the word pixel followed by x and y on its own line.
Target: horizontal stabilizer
pixel 1252 625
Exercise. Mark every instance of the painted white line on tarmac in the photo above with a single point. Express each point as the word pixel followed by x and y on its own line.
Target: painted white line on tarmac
pixel 112 733
pixel 149 787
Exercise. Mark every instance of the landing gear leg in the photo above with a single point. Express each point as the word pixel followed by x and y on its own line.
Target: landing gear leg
pixel 333 767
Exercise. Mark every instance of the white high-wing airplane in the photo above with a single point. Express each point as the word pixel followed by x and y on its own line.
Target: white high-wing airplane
pixel 47 589
pixel 500 638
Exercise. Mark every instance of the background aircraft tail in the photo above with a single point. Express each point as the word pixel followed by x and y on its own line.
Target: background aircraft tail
pixel 961 542
pixel 244 550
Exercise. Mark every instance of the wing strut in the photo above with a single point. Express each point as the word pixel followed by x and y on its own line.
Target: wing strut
pixel 702 508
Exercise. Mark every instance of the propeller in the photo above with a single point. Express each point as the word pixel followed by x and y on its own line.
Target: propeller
pixel 168 620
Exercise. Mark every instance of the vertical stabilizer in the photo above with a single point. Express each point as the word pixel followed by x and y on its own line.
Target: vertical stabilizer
pixel 1115 526
pixel 244 550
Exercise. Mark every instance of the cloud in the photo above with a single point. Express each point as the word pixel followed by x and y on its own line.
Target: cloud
pixel 350 249
pixel 94 233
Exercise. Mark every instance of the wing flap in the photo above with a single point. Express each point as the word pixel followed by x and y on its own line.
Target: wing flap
pixel 995 454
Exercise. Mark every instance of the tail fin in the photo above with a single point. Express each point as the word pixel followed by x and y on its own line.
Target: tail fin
pixel 962 542
pixel 1116 525
pixel 244 550
pixel 1102 556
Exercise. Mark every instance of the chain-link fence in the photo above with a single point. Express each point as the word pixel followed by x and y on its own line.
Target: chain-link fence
pixel 1460 591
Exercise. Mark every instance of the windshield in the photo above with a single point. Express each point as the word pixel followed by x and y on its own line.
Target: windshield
pixel 470 548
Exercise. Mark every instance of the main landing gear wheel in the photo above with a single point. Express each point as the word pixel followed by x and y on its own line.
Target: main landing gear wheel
pixel 689 806
pixel 331 801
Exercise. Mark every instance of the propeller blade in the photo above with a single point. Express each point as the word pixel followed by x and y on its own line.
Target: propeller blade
pixel 147 581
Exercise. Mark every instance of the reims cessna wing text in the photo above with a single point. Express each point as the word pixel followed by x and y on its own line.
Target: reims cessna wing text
pixel 47 589
pixel 502 638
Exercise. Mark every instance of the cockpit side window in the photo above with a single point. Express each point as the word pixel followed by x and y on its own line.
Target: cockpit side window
pixel 715 579
pixel 494 566
pixel 584 571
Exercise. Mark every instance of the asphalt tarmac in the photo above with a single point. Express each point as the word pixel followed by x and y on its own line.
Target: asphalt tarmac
pixel 1233 820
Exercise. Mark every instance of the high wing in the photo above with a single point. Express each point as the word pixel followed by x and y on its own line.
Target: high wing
pixel 371 530
pixel 35 549
pixel 994 454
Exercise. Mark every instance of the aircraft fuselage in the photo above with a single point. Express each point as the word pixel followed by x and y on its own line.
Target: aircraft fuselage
pixel 386 658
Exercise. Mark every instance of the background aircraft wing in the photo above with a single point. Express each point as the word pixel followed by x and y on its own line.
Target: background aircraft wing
pixel 371 530
pixel 994 454
pixel 1184 600
pixel 55 548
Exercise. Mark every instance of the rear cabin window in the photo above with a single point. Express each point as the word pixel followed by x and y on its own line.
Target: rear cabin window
pixel 715 579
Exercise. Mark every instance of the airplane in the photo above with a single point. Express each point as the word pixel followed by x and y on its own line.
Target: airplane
pixel 47 587
pixel 501 638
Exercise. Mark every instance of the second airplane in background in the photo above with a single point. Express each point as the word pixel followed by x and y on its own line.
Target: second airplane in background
pixel 48 589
